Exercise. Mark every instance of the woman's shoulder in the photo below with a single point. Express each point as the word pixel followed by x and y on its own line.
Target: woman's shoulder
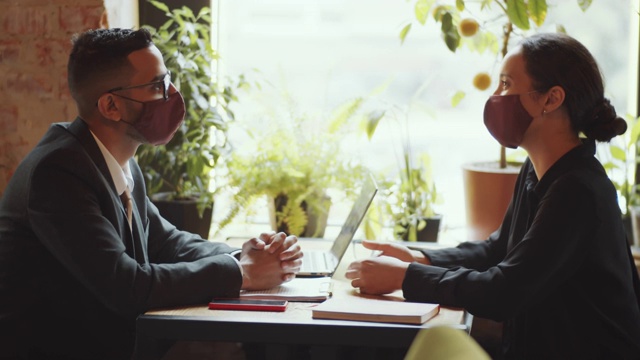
pixel 589 180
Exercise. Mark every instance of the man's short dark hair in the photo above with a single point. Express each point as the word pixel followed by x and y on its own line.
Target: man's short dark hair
pixel 98 62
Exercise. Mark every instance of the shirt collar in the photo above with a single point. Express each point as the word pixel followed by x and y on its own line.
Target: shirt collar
pixel 121 176
pixel 574 158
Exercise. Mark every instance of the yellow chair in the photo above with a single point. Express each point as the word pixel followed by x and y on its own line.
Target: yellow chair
pixel 445 343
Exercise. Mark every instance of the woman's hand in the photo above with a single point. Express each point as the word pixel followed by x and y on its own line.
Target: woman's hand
pixel 397 251
pixel 377 275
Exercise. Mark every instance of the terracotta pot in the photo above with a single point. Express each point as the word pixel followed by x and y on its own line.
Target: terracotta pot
pixel 488 191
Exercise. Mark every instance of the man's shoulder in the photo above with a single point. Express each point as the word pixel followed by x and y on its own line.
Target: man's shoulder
pixel 57 143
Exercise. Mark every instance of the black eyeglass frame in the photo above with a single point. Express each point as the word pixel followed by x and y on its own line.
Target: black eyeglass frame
pixel 166 81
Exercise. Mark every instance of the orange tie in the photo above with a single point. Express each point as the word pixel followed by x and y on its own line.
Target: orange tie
pixel 126 200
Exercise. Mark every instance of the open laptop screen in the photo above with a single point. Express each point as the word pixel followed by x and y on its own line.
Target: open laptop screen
pixel 355 217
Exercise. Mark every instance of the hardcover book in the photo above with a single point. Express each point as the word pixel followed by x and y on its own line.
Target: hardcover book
pixel 361 309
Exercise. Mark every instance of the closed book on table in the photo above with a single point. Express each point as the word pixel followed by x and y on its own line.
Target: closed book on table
pixel 360 309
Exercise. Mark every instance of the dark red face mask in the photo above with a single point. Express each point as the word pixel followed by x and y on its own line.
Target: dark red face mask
pixel 160 118
pixel 506 119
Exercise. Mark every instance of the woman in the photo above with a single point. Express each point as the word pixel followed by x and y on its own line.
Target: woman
pixel 558 271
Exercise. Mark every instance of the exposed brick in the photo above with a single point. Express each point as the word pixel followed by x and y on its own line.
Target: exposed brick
pixel 70 111
pixel 12 151
pixel 20 20
pixel 78 18
pixel 6 172
pixel 37 118
pixel 47 53
pixel 8 119
pixel 63 91
pixel 35 41
pixel 37 86
pixel 9 52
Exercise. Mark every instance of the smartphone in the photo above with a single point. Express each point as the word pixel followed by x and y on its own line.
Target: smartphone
pixel 247 304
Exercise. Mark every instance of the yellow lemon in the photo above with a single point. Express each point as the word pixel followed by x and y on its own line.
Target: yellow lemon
pixel 482 81
pixel 468 27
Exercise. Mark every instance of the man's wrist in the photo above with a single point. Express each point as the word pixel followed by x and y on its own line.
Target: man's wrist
pixel 235 255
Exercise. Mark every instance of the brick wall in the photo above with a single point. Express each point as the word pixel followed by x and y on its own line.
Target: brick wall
pixel 34 46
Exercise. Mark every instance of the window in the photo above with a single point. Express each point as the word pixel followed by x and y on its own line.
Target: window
pixel 327 51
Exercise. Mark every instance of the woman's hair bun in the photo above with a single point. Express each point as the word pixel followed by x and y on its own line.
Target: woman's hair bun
pixel 605 124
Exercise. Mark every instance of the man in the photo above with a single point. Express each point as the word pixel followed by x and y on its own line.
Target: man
pixel 78 260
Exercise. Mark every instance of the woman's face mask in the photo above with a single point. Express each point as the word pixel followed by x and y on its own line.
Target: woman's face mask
pixel 506 119
pixel 160 119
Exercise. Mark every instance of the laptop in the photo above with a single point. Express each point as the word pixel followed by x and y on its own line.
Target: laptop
pixel 321 263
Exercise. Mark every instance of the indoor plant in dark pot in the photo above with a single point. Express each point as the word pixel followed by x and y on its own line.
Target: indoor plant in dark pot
pixel 293 162
pixel 178 174
pixel 410 200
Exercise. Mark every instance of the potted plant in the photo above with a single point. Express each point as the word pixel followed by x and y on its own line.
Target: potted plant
pixel 484 26
pixel 408 194
pixel 294 161
pixel 410 200
pixel 178 174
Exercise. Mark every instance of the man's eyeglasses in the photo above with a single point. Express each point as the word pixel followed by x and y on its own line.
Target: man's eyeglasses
pixel 165 83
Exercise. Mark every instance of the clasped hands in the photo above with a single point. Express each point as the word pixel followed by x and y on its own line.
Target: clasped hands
pixel 384 272
pixel 270 260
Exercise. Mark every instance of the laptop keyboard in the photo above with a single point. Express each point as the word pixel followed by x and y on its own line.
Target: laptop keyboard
pixel 314 261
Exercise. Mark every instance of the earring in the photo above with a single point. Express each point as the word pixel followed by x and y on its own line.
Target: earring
pixel 544 112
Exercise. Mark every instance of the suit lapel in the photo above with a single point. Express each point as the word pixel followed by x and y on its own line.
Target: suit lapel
pixel 138 235
pixel 133 239
pixel 80 130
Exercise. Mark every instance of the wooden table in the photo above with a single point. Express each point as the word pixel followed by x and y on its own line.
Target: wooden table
pixel 295 326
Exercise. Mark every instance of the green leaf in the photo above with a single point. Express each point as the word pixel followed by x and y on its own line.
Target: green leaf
pixel 618 153
pixel 422 10
pixel 450 32
pixel 381 88
pixel 160 6
pixel 517 12
pixel 485 41
pixel 584 4
pixel 404 32
pixel 457 97
pixel 205 14
pixel 538 11
pixel 202 102
pixel 373 119
pixel 460 5
pixel 371 226
pixel 635 132
pixel 343 113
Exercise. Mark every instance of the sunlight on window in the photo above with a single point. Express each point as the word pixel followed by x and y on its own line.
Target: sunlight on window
pixel 325 52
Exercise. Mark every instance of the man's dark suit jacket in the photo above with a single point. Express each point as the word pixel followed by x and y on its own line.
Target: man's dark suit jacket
pixel 73 276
